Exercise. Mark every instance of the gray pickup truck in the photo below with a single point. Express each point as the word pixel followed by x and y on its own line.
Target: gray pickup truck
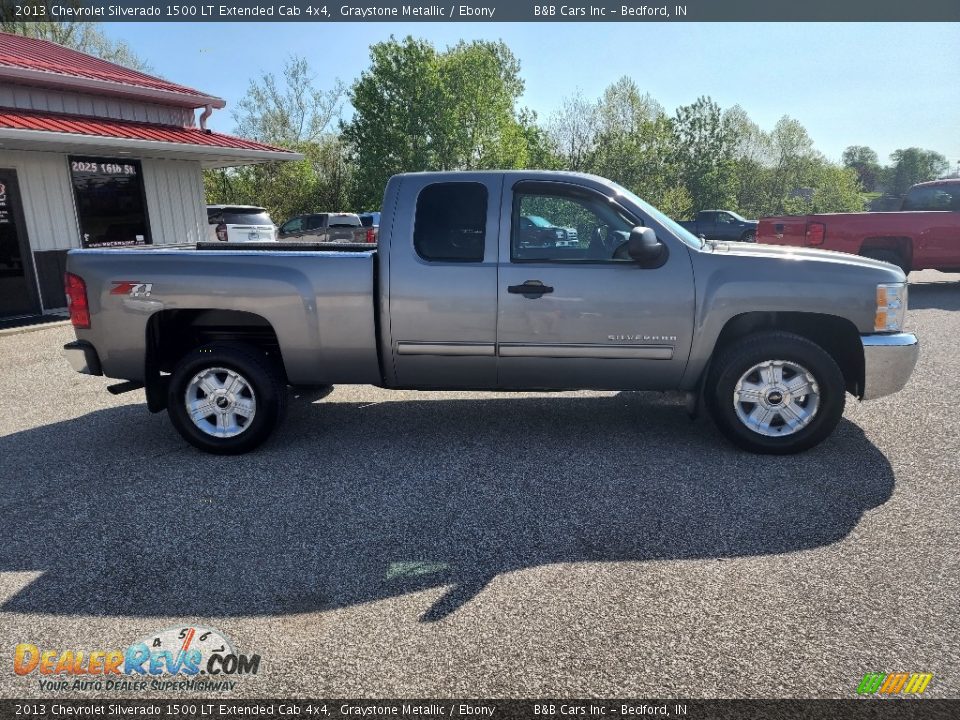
pixel 769 339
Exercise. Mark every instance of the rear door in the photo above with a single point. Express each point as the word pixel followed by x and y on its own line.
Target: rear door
pixel 707 224
pixel 587 316
pixel 442 270
pixel 938 244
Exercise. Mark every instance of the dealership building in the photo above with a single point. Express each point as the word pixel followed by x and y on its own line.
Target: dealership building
pixel 93 154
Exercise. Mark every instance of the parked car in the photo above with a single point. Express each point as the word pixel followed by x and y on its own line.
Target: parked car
pixel 536 231
pixel 240 223
pixel 371 221
pixel 454 298
pixel 935 195
pixel 722 225
pixel 326 228
pixel 925 234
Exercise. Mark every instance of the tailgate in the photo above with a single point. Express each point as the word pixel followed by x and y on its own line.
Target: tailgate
pixel 782 230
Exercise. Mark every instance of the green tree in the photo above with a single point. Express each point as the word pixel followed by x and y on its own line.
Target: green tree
pixel 419 109
pixel 703 153
pixel 911 166
pixel 289 112
pixel 573 130
pixel 83 35
pixel 751 150
pixel 864 161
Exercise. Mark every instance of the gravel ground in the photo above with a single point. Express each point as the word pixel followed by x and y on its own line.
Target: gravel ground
pixel 408 544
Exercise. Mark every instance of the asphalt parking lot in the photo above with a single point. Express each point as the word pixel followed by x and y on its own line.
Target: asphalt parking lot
pixel 418 544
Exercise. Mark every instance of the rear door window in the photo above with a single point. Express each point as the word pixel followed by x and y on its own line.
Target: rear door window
pixel 451 222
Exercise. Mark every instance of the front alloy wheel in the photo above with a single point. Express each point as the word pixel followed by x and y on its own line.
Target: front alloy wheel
pixel 775 393
pixel 776 398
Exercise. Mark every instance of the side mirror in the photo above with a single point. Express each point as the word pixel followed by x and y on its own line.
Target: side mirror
pixel 643 245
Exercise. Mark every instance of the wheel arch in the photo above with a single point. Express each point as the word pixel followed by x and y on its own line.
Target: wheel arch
pixel 838 336
pixel 901 246
pixel 171 334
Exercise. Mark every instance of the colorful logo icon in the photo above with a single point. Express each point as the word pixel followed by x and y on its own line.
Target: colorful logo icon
pixel 894 683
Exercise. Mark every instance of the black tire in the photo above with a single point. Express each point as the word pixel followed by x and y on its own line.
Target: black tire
pixel 735 361
pixel 887 256
pixel 749 236
pixel 263 381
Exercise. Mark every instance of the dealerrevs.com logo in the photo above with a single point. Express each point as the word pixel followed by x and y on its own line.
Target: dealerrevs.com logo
pixel 894 683
pixel 184 658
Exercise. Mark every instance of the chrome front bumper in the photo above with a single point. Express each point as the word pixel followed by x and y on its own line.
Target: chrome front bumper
pixel 888 361
pixel 82 357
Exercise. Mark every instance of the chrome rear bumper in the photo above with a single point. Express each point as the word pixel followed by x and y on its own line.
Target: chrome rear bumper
pixel 888 361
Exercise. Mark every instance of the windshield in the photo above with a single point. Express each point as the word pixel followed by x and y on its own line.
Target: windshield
pixel 688 237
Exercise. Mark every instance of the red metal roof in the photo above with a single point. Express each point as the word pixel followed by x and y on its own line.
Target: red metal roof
pixel 100 127
pixel 42 55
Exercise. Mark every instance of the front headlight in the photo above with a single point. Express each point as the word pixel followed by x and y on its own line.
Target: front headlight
pixel 891 307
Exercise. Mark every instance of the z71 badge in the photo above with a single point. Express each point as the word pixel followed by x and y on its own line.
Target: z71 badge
pixel 133 289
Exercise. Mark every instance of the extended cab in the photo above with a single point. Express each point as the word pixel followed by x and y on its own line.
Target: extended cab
pixel 453 298
pixel 924 234
pixel 722 225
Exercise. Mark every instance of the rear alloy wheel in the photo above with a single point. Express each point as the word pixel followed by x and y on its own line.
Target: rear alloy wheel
pixel 225 398
pixel 776 393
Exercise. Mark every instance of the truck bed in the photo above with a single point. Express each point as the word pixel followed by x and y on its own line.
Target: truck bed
pixel 320 301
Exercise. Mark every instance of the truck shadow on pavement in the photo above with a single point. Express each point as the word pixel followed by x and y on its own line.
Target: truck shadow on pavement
pixel 935 295
pixel 351 503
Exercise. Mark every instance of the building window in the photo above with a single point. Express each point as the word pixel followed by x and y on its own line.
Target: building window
pixel 110 202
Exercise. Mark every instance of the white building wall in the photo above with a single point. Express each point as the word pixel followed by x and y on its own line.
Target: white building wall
pixel 47 198
pixel 175 200
pixel 25 97
pixel 174 190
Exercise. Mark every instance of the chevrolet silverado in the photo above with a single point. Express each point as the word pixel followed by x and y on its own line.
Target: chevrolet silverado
pixel 769 339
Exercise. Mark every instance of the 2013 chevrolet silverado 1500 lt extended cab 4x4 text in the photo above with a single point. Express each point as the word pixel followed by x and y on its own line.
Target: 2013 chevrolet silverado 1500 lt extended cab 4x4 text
pixel 771 338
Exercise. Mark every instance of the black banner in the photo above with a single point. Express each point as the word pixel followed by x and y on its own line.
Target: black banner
pixel 481 11
pixel 216 709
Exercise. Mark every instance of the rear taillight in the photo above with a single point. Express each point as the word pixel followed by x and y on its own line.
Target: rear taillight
pixel 815 233
pixel 371 235
pixel 76 290
pixel 222 232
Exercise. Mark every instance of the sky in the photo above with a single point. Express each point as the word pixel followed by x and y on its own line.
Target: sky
pixel 885 85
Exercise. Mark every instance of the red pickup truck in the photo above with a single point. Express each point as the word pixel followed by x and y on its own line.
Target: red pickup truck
pixel 924 234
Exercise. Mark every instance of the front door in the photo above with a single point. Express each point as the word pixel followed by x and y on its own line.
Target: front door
pixel 443 282
pixel 18 292
pixel 585 315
